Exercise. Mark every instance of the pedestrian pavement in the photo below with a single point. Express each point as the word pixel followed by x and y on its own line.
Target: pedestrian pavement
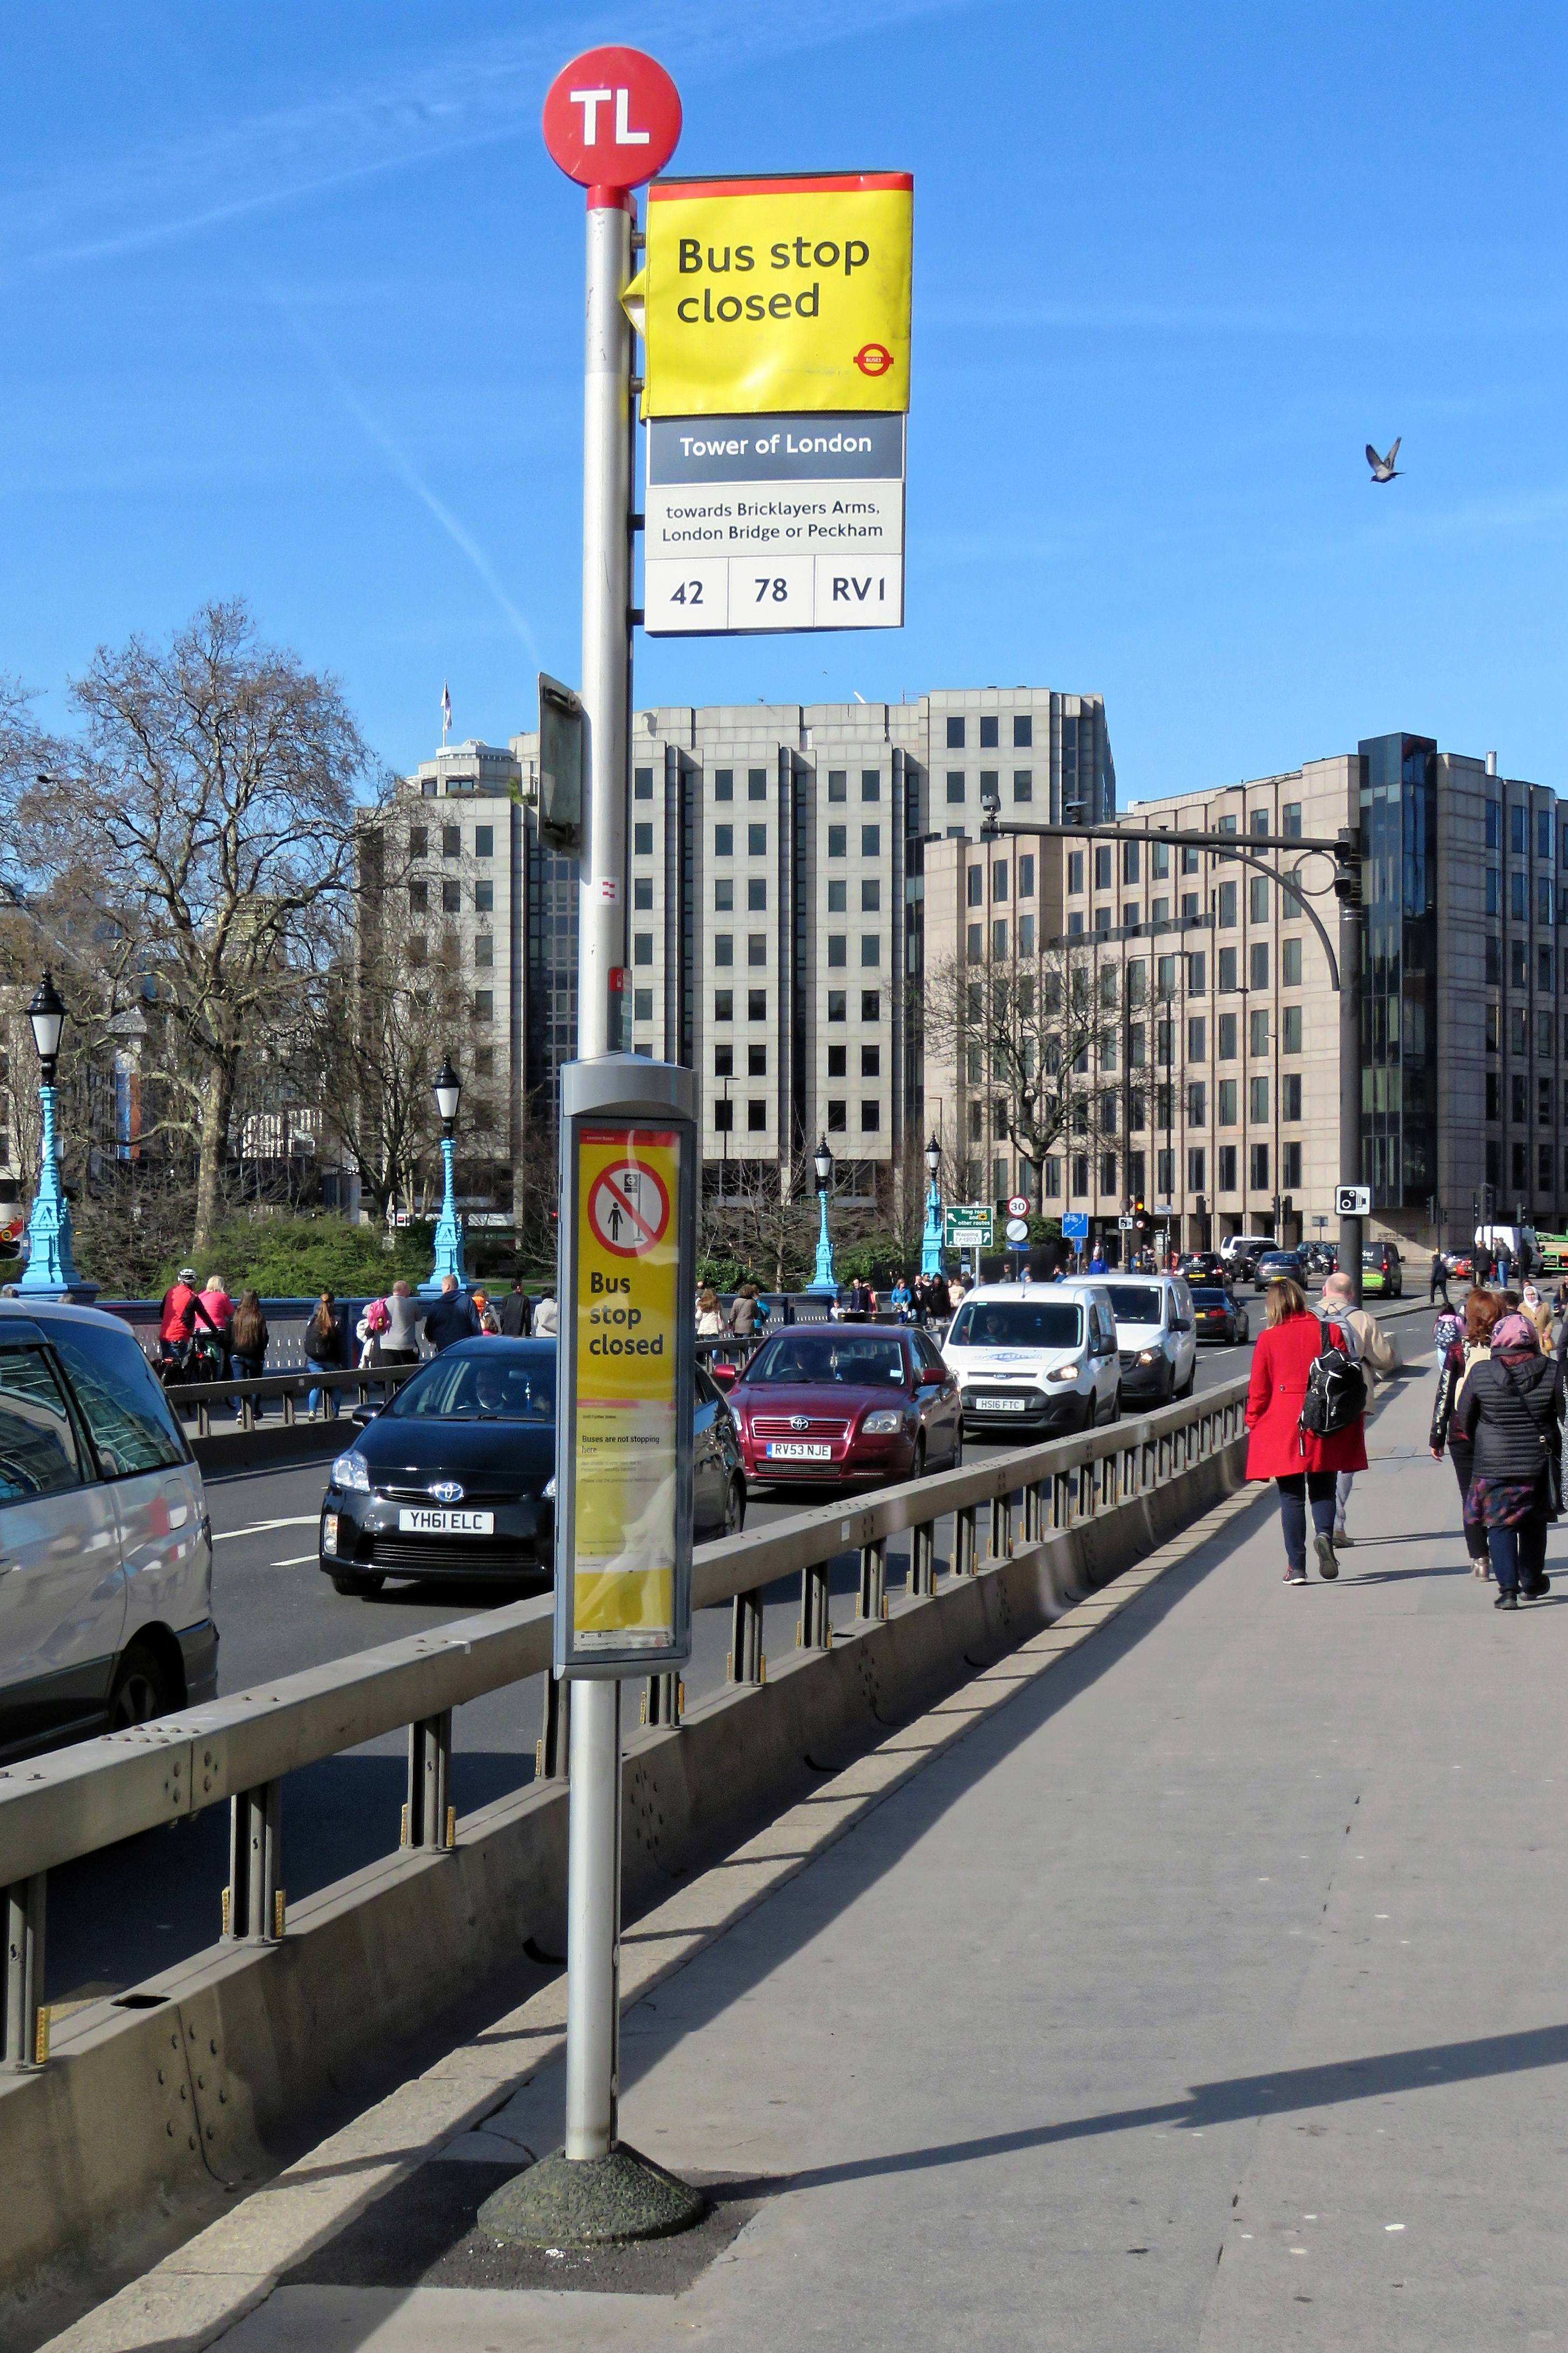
pixel 1195 1979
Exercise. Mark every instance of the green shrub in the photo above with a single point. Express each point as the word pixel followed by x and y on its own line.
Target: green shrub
pixel 294 1258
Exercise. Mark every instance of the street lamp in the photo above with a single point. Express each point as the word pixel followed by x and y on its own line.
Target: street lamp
pixel 447 1088
pixel 931 1239
pixel 50 1272
pixel 824 1280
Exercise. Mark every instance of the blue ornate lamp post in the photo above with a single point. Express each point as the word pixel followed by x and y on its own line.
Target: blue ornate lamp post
pixel 448 1087
pixel 930 1241
pixel 824 1280
pixel 50 1272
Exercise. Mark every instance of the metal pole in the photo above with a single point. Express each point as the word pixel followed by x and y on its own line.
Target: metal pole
pixel 1349 1085
pixel 594 1859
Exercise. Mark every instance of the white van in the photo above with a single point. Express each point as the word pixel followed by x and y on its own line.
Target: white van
pixel 1036 1358
pixel 1156 1334
pixel 1250 1245
pixel 105 1544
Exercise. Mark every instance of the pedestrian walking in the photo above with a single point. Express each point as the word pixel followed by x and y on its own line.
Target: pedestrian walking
pixel 181 1311
pixel 1376 1355
pixel 900 1300
pixel 1471 1345
pixel 1303 1464
pixel 1437 1286
pixel 1539 1311
pixel 452 1317
pixel 250 1337
pixel 1447 1332
pixel 323 1354
pixel 547 1316
pixel 1511 1411
pixel 516 1314
pixel 400 1341
pixel 711 1321
pixel 1504 1265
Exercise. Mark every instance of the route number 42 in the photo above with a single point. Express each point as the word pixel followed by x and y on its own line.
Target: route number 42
pixel 688 593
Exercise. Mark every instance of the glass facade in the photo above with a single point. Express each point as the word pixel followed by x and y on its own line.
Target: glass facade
pixel 551 966
pixel 1399 969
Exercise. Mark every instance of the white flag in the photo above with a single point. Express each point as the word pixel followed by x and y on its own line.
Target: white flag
pixel 446 712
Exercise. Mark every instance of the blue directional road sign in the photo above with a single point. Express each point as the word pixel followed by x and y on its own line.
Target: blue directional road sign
pixel 1075 1225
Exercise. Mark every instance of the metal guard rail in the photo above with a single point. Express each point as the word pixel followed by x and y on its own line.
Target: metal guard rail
pixel 57 1808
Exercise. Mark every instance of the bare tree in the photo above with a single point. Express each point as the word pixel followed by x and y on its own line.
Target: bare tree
pixel 1039 1039
pixel 207 811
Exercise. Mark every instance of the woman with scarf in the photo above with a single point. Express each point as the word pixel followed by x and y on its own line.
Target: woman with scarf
pixel 1470 1345
pixel 1511 1411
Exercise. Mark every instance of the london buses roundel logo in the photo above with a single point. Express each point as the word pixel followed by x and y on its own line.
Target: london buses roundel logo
pixel 873 359
pixel 628 1210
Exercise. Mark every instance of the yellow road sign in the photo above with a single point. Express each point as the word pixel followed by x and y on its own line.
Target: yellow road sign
pixel 765 295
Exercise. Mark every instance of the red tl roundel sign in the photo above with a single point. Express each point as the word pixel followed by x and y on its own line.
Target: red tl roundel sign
pixel 612 118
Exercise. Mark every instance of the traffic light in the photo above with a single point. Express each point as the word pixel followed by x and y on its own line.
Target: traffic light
pixel 1489 1202
pixel 1431 1209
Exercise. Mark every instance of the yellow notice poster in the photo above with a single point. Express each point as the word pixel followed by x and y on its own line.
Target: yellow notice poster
pixel 768 295
pixel 624 1493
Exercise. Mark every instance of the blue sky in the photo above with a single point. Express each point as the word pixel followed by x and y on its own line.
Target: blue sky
pixel 294 303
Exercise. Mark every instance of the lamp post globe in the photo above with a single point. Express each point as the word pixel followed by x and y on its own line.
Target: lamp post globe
pixel 447 1087
pixel 51 1270
pixel 931 1236
pixel 824 1282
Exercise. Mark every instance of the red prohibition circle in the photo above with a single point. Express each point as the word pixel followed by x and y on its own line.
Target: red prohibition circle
pixel 873 359
pixel 612 118
pixel 625 1227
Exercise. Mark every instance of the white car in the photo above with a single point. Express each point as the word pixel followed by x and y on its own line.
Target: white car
pixel 1036 1358
pixel 1156 1334
pixel 105 1544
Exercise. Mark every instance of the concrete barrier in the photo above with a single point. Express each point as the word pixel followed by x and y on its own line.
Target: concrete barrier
pixel 161 2104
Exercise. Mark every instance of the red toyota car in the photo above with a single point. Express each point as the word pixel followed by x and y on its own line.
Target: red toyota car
pixel 836 1402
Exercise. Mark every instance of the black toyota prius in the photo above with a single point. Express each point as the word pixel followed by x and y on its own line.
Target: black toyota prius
pixel 455 1476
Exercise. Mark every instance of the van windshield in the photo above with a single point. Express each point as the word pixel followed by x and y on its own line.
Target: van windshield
pixel 1135 1303
pixel 1017 1324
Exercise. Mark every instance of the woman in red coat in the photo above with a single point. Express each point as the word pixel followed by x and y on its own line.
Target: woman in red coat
pixel 1304 1465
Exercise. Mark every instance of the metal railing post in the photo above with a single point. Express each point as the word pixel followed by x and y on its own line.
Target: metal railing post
pixel 429 1818
pixel 814 1631
pixel 25 2020
pixel 665 1699
pixel 922 1559
pixel 746 1663
pixel 872 1599
pixel 253 1901
pixel 965 1541
pixel 553 1747
pixel 1000 1528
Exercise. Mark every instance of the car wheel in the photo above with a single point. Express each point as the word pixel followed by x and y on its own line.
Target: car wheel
pixel 140 1692
pixel 1186 1387
pixel 365 1586
pixel 735 1506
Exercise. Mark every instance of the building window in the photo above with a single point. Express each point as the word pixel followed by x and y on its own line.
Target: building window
pixel 484 841
pixel 723 841
pixel 756 1118
pixel 642 947
pixel 974 887
pixel 1026 935
pixel 1494 1162
pixel 723 784
pixel 1544 899
pixel 1197 1175
pixel 1197 1104
pixel 642 841
pixel 871 1005
pixel 1258 1162
pixel 1494 961
pixel 870 896
pixel 1053 1178
pixel 871 1061
pixel 451 898
pixel 642 1005
pixel 1075 873
pixel 642 895
pixel 756 950
pixel 757 895
pixel 418 898
pixel 1518 821
pixel 1075 925
pixel 1258 1030
pixel 485 898
pixel 1227 1159
pixel 1290 1166
pixel 1227 1028
pixel 1545 1032
pixel 1290 821
pixel 1544 971
pixel 955 788
pixel 871 949
pixel 724 947
pixel 756 1004
pixel 838 841
pixel 723 1062
pixel 1197 1039
pixel 1291 1095
pixel 1257 897
pixel 955 734
pixel 485 951
pixel 1165 979
pixel 756 1061
pixel 1227 980
pixel 723 894
pixel 1258 1098
pixel 1226 1093
pixel 1130 860
pixel 756 841
pixel 871 784
pixel 1197 976
pixel 838 950
pixel 1518 1036
pixel 1023 785
pixel 1290 1029
pixel 1517 898
pixel 642 784
pixel 837 1004
pixel 999 879
pixel 1518 964
pixel 838 898
pixel 988 733
pixel 1494 1096
pixel 418 841
pixel 838 783
pixel 1165 1173
pixel 1159 860
pixel 1291 963
pixel 1519 1160
pixel 1080 1175
pixel 1543 1167
pixel 999 940
pixel 724 1118
pixel 1106 1172
pixel 451 842
pixel 1022 731
pixel 1102 918
pixel 977 1122
pixel 1494 891
pixel 974 943
pixel 1227 906
pixel 723 1005
pixel 837 1061
pixel 756 784
pixel 1259 960
pixel 870 1118
pixel 484 1005
pixel 1102 866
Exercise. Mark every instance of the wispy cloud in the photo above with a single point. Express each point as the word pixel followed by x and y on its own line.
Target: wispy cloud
pixel 461 95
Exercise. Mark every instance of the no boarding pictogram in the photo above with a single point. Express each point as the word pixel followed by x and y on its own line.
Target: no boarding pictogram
pixel 628 1210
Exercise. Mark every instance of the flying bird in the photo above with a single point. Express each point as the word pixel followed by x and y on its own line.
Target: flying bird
pixel 1384 469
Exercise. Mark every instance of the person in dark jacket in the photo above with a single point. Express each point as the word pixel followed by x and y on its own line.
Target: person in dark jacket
pixel 516 1314
pixel 452 1317
pixel 1437 1287
pixel 1461 1356
pixel 1511 1410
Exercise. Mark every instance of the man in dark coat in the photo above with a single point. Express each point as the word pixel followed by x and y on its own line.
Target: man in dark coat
pixel 453 1317
pixel 516 1314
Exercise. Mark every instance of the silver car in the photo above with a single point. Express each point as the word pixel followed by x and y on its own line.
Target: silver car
pixel 105 1544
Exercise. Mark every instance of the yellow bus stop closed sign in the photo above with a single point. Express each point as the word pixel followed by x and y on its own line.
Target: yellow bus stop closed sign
pixel 781 294
pixel 624 1471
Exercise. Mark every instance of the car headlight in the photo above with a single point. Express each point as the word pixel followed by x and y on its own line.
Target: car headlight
pixel 547 1492
pixel 1062 1373
pixel 351 1473
pixel 1148 1355
pixel 882 1425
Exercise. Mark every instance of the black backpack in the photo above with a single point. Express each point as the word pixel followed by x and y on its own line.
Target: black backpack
pixel 1336 1390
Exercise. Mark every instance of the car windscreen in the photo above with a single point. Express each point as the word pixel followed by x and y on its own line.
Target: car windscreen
pixel 1372 1255
pixel 1135 1303
pixel 480 1388
pixel 1205 1297
pixel 852 1357
pixel 1017 1324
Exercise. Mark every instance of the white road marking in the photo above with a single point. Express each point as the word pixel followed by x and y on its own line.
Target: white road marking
pixel 298 1562
pixel 263 1528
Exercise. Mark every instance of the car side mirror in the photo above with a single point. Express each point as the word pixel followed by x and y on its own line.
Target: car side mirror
pixel 364 1412
pixel 930 1377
